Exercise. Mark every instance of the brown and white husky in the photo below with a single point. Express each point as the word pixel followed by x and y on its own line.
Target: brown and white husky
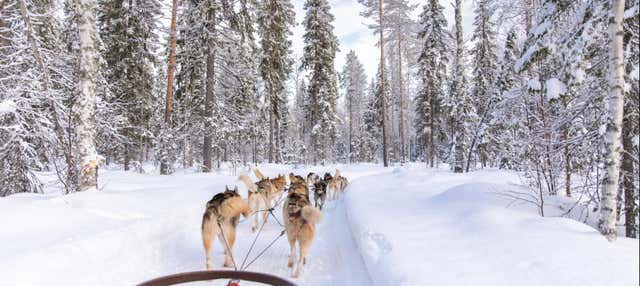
pixel 300 219
pixel 262 195
pixel 335 184
pixel 220 220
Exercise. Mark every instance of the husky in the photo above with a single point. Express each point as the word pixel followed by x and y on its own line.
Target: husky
pixel 220 219
pixel 280 183
pixel 312 178
pixel 335 184
pixel 300 219
pixel 320 193
pixel 262 195
pixel 296 182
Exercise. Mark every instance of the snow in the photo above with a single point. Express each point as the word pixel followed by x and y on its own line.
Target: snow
pixel 433 227
pixel 7 106
pixel 394 226
pixel 555 88
pixel 534 84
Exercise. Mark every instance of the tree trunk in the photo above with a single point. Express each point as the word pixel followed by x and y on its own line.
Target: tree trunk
pixel 86 103
pixel 350 127
pixel 385 158
pixel 612 142
pixel 164 168
pixel 400 94
pixel 431 148
pixel 209 97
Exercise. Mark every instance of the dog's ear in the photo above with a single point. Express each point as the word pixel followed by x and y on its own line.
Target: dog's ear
pixel 235 188
pixel 226 188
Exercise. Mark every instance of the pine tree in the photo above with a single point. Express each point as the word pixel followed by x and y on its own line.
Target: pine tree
pixel 320 50
pixel 484 68
pixel 275 20
pixel 165 164
pixel 372 118
pixel 34 80
pixel 432 71
pixel 353 80
pixel 374 9
pixel 460 107
pixel 505 126
pixel 129 31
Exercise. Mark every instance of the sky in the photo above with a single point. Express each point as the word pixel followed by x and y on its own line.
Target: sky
pixel 353 34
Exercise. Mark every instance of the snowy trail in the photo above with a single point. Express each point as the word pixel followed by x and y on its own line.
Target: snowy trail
pixel 143 226
pixel 405 225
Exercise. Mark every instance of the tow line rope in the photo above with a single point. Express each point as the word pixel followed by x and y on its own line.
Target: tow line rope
pixel 224 238
pixel 243 267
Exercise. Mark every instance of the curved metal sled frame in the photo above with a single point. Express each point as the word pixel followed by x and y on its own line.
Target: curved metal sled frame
pixel 194 276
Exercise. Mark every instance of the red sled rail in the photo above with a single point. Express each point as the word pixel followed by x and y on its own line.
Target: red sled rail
pixel 195 276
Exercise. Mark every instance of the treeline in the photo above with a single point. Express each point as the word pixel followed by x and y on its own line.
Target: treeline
pixel 529 88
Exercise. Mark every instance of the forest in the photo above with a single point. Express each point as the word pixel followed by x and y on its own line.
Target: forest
pixel 546 88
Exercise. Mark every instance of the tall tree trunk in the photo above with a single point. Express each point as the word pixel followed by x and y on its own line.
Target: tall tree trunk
pixel 164 168
pixel 567 156
pixel 400 94
pixel 432 149
pixel 612 142
pixel 458 149
pixel 385 158
pixel 271 136
pixel 86 111
pixel 209 97
pixel 350 127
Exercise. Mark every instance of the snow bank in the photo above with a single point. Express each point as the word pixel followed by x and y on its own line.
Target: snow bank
pixel 7 106
pixel 417 227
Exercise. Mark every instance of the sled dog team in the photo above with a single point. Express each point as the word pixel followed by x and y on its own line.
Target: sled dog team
pixel 223 211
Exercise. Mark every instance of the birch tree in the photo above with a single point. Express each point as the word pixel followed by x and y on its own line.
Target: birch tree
pixel 612 142
pixel 88 158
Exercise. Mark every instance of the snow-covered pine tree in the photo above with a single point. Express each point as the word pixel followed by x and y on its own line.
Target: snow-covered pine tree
pixel 372 118
pixel 188 107
pixel 275 19
pixel 432 64
pixel 165 163
pixel 506 125
pixel 460 106
pixel 33 80
pixel 397 16
pixel 484 68
pixel 353 81
pixel 375 10
pixel 129 33
pixel 320 50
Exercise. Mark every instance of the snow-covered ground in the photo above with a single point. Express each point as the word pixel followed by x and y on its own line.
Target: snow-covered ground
pixel 395 226
pixel 433 227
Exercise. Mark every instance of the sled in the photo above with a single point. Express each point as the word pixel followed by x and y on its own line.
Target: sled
pixel 235 277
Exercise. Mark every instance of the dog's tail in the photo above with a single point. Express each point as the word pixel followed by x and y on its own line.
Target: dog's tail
pixel 247 182
pixel 337 173
pixel 311 214
pixel 259 174
pixel 234 206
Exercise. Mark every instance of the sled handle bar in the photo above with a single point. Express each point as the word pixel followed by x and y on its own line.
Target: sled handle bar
pixel 194 276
